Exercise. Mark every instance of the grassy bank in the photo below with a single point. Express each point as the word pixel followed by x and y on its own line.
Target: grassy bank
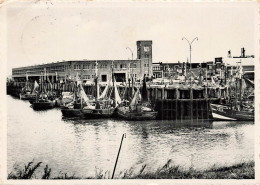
pixel 244 170
pixel 238 171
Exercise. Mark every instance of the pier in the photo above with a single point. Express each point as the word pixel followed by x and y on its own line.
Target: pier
pixel 173 102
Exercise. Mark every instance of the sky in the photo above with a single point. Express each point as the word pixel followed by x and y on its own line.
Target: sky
pixel 45 32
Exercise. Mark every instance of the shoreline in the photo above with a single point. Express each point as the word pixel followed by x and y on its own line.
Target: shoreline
pixel 243 170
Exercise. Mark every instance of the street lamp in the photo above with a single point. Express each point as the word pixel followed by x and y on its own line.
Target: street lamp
pixel 190 43
pixel 131 51
pixel 132 60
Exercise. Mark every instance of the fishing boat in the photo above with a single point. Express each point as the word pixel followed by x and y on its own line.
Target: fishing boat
pixel 43 104
pixel 139 108
pixel 74 103
pixel 44 99
pixel 238 107
pixel 96 113
pixel 27 93
pixel 225 112
pixel 104 106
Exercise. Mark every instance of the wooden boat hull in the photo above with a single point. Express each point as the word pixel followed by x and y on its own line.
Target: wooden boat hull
pixel 98 113
pixel 66 112
pixel 43 105
pixel 137 116
pixel 222 112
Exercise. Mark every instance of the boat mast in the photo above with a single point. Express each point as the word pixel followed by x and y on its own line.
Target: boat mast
pixel 240 85
pixel 132 88
pixel 97 85
pixel 113 81
pixel 206 80
pixel 236 87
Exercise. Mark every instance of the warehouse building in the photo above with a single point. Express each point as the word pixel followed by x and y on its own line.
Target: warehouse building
pixel 88 69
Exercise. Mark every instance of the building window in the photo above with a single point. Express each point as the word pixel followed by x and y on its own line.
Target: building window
pixel 122 66
pixel 115 65
pixel 103 66
pixel 85 66
pixel 133 65
pixel 77 67
pixel 86 76
pixel 93 76
pixel 103 78
pixel 93 66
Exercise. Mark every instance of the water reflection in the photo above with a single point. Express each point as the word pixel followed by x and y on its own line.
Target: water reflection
pixel 80 146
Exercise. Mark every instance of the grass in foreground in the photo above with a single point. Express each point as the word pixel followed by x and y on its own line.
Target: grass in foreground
pixel 244 170
pixel 239 171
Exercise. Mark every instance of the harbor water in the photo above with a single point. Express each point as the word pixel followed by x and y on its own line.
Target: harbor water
pixel 86 147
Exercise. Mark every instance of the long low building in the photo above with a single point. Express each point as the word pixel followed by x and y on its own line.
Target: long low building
pixel 125 69
pixel 88 69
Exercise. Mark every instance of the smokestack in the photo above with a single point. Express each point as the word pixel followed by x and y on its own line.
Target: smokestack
pixel 243 52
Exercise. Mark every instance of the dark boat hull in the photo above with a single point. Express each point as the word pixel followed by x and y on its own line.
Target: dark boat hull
pixel 58 102
pixel 32 101
pixel 137 116
pixel 66 112
pixel 43 105
pixel 98 113
pixel 222 112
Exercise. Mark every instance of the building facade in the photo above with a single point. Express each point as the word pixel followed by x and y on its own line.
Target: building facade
pixel 88 69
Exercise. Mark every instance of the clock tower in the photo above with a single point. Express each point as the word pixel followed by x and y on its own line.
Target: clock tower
pixel 144 54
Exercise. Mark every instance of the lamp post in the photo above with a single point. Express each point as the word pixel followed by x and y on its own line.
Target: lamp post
pixel 131 62
pixel 191 92
pixel 190 43
pixel 130 51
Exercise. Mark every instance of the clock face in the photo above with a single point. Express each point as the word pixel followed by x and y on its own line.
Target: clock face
pixel 146 48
